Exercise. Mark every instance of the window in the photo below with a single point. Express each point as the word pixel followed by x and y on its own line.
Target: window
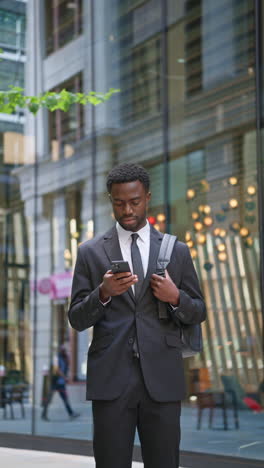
pixel 63 23
pixel 12 30
pixel 66 128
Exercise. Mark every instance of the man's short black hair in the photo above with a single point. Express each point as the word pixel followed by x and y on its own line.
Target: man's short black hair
pixel 127 173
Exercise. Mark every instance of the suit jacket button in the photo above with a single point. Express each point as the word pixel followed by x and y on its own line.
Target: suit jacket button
pixel 131 340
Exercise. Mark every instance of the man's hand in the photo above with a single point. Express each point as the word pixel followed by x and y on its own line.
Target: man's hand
pixel 115 284
pixel 164 289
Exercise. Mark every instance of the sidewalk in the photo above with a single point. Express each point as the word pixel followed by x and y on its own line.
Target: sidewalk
pixel 12 458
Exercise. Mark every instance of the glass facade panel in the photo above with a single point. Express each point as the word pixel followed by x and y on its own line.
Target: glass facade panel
pixel 64 22
pixel 186 111
pixel 213 194
pixel 15 324
pixel 12 21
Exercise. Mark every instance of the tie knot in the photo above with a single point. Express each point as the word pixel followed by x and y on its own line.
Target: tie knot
pixel 134 237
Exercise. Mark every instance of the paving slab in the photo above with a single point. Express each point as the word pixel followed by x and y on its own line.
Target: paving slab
pixel 14 458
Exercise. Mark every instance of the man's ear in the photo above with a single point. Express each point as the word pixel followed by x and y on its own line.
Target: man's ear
pixel 148 196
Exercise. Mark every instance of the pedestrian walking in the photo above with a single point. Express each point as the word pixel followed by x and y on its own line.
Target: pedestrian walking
pixel 58 384
pixel 135 375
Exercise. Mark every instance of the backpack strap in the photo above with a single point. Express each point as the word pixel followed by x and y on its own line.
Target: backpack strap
pixel 165 252
pixel 166 247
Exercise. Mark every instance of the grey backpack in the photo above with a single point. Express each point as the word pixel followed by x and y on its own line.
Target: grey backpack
pixel 191 335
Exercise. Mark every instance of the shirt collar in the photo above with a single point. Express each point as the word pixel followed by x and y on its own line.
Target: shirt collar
pixel 125 235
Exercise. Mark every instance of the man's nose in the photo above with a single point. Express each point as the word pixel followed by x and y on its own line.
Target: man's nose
pixel 127 209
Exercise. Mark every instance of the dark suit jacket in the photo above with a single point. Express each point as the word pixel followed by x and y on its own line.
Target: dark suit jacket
pixel 117 323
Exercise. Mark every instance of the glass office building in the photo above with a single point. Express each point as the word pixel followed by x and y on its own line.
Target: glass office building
pixel 190 110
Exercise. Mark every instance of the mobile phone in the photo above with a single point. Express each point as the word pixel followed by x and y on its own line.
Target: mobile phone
pixel 120 266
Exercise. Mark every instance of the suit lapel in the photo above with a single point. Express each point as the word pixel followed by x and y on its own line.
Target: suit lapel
pixel 113 251
pixel 154 248
pixel 111 245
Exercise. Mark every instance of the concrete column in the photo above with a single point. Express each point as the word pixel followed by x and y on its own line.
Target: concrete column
pixel 36 128
pixel 59 233
pixel 43 303
pixel 87 58
pixel 106 48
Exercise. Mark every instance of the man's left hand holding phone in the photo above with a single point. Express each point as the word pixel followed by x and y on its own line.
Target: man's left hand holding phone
pixel 116 281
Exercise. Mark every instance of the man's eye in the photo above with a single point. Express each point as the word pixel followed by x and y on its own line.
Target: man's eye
pixel 135 203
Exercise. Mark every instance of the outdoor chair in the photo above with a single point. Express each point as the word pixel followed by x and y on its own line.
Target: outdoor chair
pixel 233 397
pixel 12 390
pixel 213 400
pixel 243 399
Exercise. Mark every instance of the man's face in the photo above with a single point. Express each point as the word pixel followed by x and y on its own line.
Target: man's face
pixel 130 202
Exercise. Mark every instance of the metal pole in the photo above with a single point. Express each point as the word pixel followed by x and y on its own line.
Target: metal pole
pixel 260 156
pixel 165 111
pixel 93 112
pixel 35 270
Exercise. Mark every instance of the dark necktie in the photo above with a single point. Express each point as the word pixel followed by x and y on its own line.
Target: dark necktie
pixel 137 270
pixel 137 264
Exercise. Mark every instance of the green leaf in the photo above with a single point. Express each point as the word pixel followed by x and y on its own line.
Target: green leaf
pixel 16 88
pixel 12 99
pixel 33 107
pixel 50 101
pixel 66 100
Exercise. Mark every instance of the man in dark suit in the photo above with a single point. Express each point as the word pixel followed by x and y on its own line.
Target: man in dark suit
pixel 135 375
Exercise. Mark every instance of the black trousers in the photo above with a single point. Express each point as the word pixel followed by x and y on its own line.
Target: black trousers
pixel 61 389
pixel 115 424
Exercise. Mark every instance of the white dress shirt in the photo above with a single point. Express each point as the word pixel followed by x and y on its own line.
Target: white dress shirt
pixel 143 242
